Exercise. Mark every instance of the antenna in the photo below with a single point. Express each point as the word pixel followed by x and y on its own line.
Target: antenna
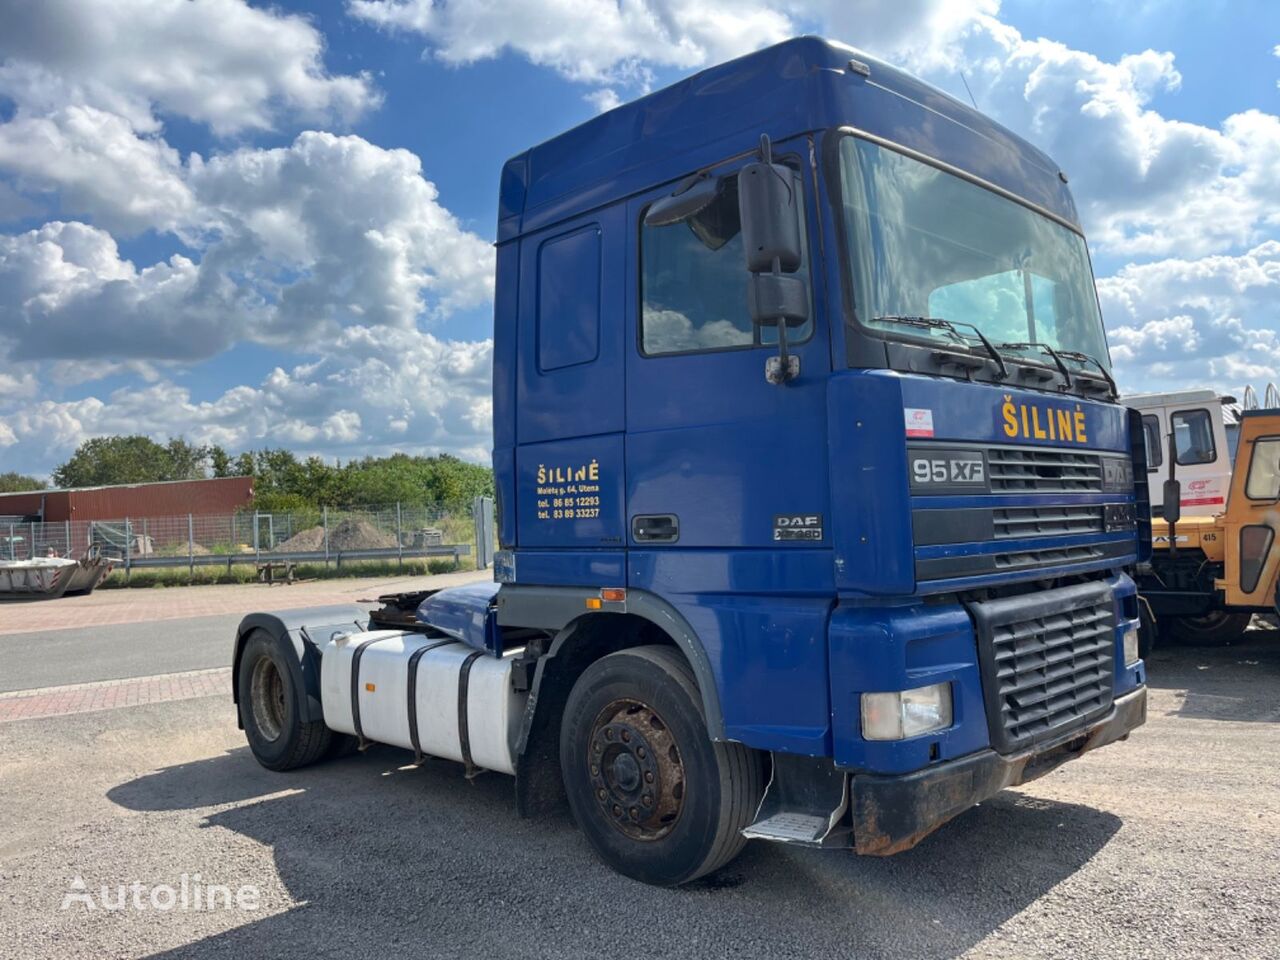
pixel 1271 400
pixel 967 90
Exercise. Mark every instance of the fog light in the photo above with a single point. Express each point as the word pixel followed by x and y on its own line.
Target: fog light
pixel 1130 646
pixel 899 714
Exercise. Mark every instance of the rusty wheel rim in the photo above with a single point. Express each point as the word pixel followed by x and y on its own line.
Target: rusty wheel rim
pixel 266 696
pixel 636 771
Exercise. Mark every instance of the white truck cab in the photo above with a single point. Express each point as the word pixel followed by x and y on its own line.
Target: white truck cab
pixel 1197 419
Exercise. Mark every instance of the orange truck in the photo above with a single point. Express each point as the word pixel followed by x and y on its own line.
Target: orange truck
pixel 1209 575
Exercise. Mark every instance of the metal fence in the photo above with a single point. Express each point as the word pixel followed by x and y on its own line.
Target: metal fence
pixel 397 532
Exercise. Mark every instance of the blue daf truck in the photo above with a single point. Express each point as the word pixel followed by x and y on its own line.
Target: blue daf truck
pixel 815 497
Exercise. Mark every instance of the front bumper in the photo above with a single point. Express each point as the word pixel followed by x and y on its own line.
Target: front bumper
pixel 894 813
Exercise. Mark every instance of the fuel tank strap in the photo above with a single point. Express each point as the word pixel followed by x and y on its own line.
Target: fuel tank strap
pixel 356 656
pixel 464 734
pixel 418 755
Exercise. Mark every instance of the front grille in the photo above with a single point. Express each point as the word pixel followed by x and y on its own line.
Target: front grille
pixel 1015 523
pixel 1046 557
pixel 1047 661
pixel 1019 470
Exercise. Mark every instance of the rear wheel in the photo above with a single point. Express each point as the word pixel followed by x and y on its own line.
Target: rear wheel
pixel 657 799
pixel 1216 627
pixel 278 737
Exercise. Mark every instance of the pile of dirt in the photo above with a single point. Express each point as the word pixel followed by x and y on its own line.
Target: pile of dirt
pixel 349 534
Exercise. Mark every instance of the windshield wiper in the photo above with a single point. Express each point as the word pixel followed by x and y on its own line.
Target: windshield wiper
pixel 937 323
pixel 1085 358
pixel 1057 357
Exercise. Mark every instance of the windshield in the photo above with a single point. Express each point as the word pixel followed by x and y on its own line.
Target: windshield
pixel 927 243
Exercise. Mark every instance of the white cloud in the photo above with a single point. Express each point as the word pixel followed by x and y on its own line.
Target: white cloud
pixel 100 166
pixel 607 42
pixel 1213 321
pixel 606 98
pixel 218 62
pixel 297 242
pixel 371 391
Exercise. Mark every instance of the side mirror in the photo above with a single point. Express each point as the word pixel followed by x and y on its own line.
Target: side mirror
pixel 776 298
pixel 769 213
pixel 688 200
pixel 768 206
pixel 1172 507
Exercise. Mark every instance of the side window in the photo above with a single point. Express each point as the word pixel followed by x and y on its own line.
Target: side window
pixel 569 299
pixel 1264 471
pixel 1151 436
pixel 693 283
pixel 1193 437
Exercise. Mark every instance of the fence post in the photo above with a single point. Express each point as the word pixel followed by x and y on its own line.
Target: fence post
pixel 191 547
pixel 66 536
pixel 257 550
pixel 326 536
pixel 12 555
pixel 31 539
pixel 399 541
pixel 142 545
pixel 128 550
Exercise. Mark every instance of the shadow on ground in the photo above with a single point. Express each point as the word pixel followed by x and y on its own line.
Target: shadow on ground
pixel 391 861
pixel 1238 681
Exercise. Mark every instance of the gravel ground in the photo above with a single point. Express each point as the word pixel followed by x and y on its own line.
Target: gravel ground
pixel 1163 846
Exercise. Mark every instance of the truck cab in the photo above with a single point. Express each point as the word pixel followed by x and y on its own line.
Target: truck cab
pixel 816 500
pixel 1197 421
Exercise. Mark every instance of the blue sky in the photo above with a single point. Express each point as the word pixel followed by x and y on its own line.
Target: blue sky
pixel 269 225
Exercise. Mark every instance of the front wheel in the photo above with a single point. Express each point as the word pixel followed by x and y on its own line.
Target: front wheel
pixel 277 735
pixel 1216 627
pixel 657 799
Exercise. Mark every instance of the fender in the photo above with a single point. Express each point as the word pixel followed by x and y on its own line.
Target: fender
pixel 557 608
pixel 295 633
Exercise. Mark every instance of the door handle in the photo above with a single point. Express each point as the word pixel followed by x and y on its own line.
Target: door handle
pixel 656 528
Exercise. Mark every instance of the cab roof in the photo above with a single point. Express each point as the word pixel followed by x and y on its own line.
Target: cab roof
pixel 795 87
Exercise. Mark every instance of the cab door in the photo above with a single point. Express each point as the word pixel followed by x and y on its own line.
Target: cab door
pixel 1252 520
pixel 717 457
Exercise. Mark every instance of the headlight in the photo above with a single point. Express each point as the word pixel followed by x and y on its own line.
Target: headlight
pixel 1130 646
pixel 899 714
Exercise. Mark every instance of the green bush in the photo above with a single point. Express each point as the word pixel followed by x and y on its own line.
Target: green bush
pixel 248 572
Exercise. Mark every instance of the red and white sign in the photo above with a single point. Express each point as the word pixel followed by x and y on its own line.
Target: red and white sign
pixel 919 422
pixel 1203 493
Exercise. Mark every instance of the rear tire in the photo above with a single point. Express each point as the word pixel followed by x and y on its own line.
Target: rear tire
pixel 657 799
pixel 278 737
pixel 1218 627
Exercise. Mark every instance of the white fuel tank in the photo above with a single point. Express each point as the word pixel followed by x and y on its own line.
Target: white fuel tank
pixel 444 671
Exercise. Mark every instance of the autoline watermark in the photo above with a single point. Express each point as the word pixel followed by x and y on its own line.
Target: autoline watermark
pixel 189 893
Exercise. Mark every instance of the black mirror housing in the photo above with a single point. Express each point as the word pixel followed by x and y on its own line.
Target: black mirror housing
pixel 774 298
pixel 1172 504
pixel 768 208
pixel 687 201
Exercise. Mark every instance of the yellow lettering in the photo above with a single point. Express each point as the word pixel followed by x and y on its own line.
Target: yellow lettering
pixel 542 474
pixel 593 471
pixel 1010 417
pixel 1064 425
pixel 1035 425
pixel 1080 434
pixel 1026 431
pixel 1049 416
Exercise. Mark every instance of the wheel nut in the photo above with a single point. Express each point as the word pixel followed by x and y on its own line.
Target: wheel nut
pixel 635 814
pixel 648 776
pixel 626 736
pixel 608 734
pixel 601 794
pixel 647 800
pixel 595 771
pixel 617 810
pixel 640 752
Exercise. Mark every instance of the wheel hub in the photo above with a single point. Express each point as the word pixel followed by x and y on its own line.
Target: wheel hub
pixel 636 773
pixel 266 695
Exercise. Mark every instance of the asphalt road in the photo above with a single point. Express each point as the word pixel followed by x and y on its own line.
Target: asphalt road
pixel 1164 846
pixel 116 651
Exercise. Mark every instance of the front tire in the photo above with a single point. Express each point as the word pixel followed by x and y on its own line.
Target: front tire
pixel 1218 627
pixel 658 800
pixel 278 737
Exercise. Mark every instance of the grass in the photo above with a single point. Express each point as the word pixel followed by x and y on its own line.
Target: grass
pixel 248 573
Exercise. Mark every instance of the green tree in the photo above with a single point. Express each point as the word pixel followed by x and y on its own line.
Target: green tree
pixel 13 482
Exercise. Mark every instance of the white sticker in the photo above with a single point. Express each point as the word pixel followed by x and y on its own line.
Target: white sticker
pixel 919 422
